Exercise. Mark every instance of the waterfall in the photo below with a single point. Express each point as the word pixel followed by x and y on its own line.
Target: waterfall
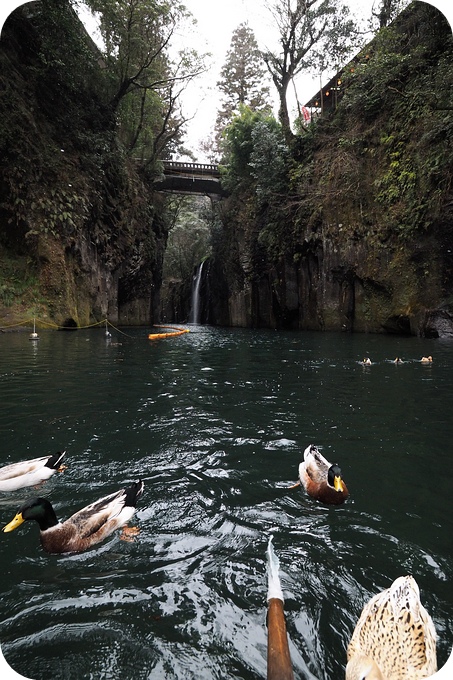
pixel 194 316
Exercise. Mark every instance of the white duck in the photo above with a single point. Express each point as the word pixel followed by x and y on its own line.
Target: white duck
pixel 30 472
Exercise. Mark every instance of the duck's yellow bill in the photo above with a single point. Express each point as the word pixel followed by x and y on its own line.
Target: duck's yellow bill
pixel 16 522
pixel 338 484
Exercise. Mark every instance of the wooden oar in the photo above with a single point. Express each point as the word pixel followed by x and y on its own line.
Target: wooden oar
pixel 278 657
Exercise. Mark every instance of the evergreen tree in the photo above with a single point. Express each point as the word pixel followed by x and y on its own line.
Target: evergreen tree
pixel 243 78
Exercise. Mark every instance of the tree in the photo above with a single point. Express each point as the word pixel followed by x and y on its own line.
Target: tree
pixel 242 78
pixel 145 83
pixel 308 30
pixel 387 11
pixel 239 145
pixel 269 161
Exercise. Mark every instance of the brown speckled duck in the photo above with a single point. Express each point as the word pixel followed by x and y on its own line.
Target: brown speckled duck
pixel 321 480
pixel 83 529
pixel 395 638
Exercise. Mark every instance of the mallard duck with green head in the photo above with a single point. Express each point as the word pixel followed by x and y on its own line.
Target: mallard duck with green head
pixel 321 480
pixel 85 528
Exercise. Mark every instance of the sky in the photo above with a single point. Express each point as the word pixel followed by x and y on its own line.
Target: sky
pixel 216 21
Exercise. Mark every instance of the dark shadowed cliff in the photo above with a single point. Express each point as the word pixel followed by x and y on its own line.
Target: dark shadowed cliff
pixel 354 230
pixel 80 235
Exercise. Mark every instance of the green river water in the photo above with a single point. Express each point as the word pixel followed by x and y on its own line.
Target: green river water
pixel 215 422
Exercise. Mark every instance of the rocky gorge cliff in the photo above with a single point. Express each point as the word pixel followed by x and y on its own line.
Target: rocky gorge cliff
pixel 361 239
pixel 351 228
pixel 82 236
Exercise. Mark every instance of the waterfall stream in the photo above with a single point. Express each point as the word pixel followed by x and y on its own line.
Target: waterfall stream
pixel 194 316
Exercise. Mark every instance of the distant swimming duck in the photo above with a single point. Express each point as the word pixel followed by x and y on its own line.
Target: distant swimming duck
pixel 83 529
pixel 366 361
pixel 321 480
pixel 395 638
pixel 30 472
pixel 426 360
pixel 398 361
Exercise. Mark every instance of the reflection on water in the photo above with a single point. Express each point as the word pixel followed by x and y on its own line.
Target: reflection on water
pixel 215 422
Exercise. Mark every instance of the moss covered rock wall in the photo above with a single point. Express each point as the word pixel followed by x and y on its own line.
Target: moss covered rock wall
pixel 81 235
pixel 362 239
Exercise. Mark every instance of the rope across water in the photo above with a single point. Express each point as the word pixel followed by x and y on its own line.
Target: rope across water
pixel 174 331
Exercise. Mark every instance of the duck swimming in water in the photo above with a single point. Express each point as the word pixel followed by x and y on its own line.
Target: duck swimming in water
pixel 366 361
pixel 83 529
pixel 321 480
pixel 426 360
pixel 30 472
pixel 394 638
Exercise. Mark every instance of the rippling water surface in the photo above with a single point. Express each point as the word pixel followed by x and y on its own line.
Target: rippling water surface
pixel 215 422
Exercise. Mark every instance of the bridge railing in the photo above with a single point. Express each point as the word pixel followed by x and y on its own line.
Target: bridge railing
pixel 180 167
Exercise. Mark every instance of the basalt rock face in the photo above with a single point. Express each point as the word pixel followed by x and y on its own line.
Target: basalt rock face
pixel 363 239
pixel 339 284
pixel 73 206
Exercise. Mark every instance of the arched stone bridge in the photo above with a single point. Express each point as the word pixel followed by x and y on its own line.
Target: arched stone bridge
pixel 190 178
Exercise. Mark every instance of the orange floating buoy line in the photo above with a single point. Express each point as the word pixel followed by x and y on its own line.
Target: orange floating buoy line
pixel 279 665
pixel 174 332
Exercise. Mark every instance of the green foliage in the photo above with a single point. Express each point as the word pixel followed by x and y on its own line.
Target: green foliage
pixel 18 280
pixel 239 144
pixel 375 79
pixel 145 82
pixel 70 199
pixel 383 154
pixel 59 213
pixel 377 170
pixel 189 237
pixel 399 177
pixel 269 160
pixel 134 33
pixel 67 69
pixel 404 71
pixel 258 166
